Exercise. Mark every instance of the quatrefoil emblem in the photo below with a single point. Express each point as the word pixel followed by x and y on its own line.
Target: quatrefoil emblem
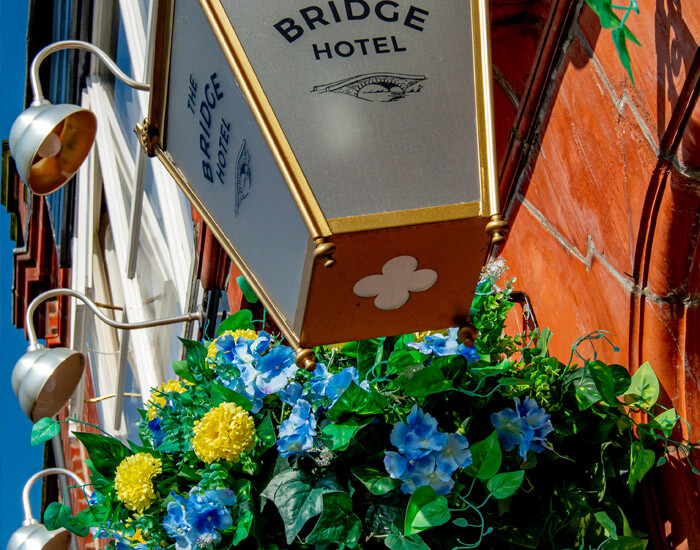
pixel 399 277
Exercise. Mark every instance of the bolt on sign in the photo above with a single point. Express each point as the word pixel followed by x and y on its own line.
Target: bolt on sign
pixel 342 151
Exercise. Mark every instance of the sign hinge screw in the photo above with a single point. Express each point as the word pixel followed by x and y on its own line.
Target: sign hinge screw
pixel 497 228
pixel 324 250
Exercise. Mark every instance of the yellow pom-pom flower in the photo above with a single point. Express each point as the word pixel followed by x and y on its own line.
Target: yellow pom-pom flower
pixel 158 400
pixel 227 341
pixel 224 433
pixel 134 481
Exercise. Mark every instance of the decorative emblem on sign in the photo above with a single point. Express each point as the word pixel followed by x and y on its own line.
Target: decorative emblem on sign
pixel 377 87
pixel 244 177
pixel 399 277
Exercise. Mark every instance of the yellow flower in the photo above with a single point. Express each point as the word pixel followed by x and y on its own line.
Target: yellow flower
pixel 136 537
pixel 134 481
pixel 157 399
pixel 248 334
pixel 225 432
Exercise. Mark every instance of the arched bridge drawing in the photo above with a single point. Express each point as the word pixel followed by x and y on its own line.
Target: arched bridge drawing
pixel 375 86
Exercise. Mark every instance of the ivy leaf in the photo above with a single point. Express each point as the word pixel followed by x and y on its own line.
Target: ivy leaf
pixel 621 378
pixel 403 359
pixel 338 436
pixel 486 458
pixel 641 461
pixel 607 524
pixel 665 422
pixel 337 522
pixel 357 401
pixel 43 430
pixel 603 9
pixel 55 515
pixel 604 382
pixel 106 453
pixel 241 320
pixel 94 515
pixel 626 543
pixel 505 484
pixel 644 388
pixel 396 541
pixel 221 394
pixel 425 509
pixel 196 355
pixel 297 498
pixel 366 355
pixel 585 390
pixel 427 381
pixel 243 517
pixel 376 482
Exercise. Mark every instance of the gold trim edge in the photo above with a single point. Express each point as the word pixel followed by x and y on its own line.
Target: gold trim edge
pixel 227 245
pixel 418 216
pixel 265 116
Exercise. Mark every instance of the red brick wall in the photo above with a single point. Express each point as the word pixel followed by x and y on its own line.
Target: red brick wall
pixel 604 213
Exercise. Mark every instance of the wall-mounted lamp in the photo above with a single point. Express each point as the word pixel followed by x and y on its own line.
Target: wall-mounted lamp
pixel 34 535
pixel 44 379
pixel 50 142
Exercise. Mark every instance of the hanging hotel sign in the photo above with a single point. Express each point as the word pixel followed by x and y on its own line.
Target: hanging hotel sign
pixel 342 151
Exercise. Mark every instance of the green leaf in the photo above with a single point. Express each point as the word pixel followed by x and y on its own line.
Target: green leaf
pixel 366 355
pixel 377 483
pixel 665 422
pixel 183 371
pixel 297 498
pixel 247 290
pixel 619 39
pixel 403 359
pixel 55 515
pixel 337 522
pixel 396 541
pixel 266 434
pixel 427 381
pixel 607 524
pixel 603 379
pixel 241 320
pixel 338 436
pixel 222 394
pixel 106 453
pixel 585 390
pixel 243 516
pixel 43 430
pixel 505 484
pixel 425 509
pixel 644 388
pixel 641 461
pixel 543 342
pixel 603 9
pixel 76 526
pixel 196 354
pixel 486 458
pixel 621 377
pixel 93 516
pixel 357 401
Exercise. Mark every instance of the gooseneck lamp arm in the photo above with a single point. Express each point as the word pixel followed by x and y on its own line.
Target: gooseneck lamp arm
pixel 34 342
pixel 28 517
pixel 76 45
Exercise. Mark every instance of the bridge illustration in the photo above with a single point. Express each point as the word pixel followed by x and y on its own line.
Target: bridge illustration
pixel 375 86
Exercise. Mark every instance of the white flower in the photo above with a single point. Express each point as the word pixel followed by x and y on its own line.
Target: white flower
pixel 398 278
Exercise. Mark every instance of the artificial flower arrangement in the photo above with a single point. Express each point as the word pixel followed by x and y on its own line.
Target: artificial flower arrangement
pixel 407 443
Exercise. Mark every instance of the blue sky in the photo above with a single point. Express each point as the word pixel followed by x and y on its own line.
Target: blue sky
pixel 18 461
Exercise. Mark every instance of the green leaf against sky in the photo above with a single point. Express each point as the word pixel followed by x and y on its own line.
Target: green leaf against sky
pixel 298 498
pixel 486 457
pixel 425 509
pixel 43 430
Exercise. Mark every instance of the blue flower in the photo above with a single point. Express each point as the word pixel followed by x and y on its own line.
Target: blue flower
pixel 276 368
pixel 442 345
pixel 195 522
pixel 156 431
pixel 296 433
pixel 419 437
pixel 454 455
pixel 426 472
pixel 526 427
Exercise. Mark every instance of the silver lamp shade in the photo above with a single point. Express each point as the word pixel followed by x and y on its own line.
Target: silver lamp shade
pixel 50 142
pixel 36 537
pixel 44 380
